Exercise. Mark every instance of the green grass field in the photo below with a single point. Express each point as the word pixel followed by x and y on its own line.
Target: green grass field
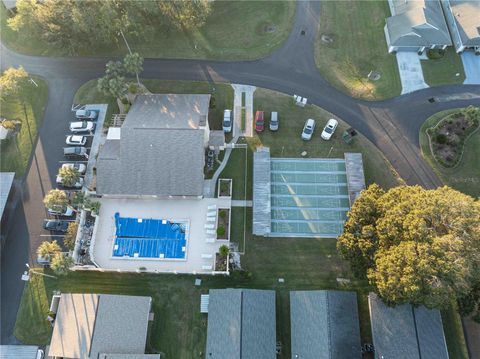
pixel 234 30
pixel 16 151
pixel 452 325
pixel 358 47
pixel 465 176
pixel 444 71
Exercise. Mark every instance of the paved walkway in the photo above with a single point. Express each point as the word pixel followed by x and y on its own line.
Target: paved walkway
pixel 241 203
pixel 471 66
pixel 410 69
pixel 239 90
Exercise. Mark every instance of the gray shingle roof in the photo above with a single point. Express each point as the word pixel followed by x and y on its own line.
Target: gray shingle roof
pixel 161 149
pixel 421 24
pixel 90 324
pixel 241 324
pixel 6 182
pixel 121 325
pixel 405 332
pixel 18 352
pixel 324 325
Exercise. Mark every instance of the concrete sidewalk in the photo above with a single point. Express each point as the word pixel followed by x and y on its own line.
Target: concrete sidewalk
pixel 237 110
pixel 411 74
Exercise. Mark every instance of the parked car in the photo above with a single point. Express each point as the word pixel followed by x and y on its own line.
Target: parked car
pixel 54 225
pixel 78 184
pixel 80 167
pixel 329 129
pixel 63 212
pixel 274 122
pixel 74 140
pixel 227 121
pixel 308 130
pixel 82 126
pixel 259 121
pixel 86 114
pixel 75 153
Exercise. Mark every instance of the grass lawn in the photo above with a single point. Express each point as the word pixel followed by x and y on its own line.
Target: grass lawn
pixel 358 47
pixel 443 71
pixel 16 151
pixel 234 30
pixel 223 94
pixel 464 177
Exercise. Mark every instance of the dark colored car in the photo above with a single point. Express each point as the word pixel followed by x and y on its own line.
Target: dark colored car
pixel 55 225
pixel 77 153
pixel 259 121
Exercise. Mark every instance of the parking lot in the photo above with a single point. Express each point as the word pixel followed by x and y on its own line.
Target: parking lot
pixel 90 138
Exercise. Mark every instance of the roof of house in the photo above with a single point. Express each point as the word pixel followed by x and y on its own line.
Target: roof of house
pixel 172 111
pixel 467 13
pixel 160 151
pixel 87 325
pixel 10 4
pixel 6 180
pixel 395 331
pixel 324 324
pixel 421 23
pixel 241 324
pixel 129 356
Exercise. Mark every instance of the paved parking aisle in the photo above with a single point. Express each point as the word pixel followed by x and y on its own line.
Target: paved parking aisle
pixel 471 66
pixel 411 74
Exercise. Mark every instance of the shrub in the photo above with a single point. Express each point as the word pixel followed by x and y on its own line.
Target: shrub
pixel 223 251
pixel 132 88
pixel 434 54
pixel 222 214
pixel 441 138
pixel 212 102
pixel 71 235
pixel 221 231
pixel 124 100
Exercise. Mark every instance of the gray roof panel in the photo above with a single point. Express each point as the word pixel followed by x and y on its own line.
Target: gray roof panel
pixel 6 181
pixel 431 337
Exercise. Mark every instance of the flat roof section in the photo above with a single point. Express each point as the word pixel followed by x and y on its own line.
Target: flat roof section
pixel 261 192
pixel 355 175
pixel 6 182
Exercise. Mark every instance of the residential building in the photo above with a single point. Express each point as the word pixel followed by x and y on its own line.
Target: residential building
pixel 241 324
pixel 101 326
pixel 463 20
pixel 416 25
pixel 406 332
pixel 324 324
pixel 159 150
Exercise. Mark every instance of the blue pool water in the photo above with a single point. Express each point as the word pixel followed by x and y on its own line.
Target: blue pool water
pixel 150 238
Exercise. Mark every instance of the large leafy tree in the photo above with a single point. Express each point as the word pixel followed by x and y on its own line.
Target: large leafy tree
pixel 55 199
pixel 414 245
pixel 69 175
pixel 47 250
pixel 11 81
pixel 61 263
pixel 185 14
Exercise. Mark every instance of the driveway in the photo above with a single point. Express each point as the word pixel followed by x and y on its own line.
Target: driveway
pixel 471 66
pixel 411 73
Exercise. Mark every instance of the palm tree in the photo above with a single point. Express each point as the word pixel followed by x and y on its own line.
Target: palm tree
pixel 61 263
pixel 69 175
pixel 48 249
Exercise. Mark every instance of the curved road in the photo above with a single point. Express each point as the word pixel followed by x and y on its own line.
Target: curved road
pixel 392 125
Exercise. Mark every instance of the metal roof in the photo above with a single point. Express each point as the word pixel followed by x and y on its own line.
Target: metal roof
pixel 324 324
pixel 18 352
pixel 6 181
pixel 241 324
pixel 261 192
pixel 406 332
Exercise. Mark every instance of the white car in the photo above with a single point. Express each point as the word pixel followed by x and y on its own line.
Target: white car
pixel 329 129
pixel 86 114
pixel 82 126
pixel 227 121
pixel 80 167
pixel 79 183
pixel 308 130
pixel 76 140
pixel 65 212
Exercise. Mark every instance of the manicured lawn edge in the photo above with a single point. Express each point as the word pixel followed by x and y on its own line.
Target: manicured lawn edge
pixel 454 336
pixel 463 177
pixel 35 99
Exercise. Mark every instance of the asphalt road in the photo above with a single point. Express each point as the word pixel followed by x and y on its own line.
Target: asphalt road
pixel 392 125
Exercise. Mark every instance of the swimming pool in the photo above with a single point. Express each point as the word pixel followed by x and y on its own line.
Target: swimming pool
pixel 149 238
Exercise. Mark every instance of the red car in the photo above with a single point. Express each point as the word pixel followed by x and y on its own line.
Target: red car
pixel 259 122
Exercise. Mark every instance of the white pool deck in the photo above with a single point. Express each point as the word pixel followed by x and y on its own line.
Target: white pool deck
pixel 197 251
